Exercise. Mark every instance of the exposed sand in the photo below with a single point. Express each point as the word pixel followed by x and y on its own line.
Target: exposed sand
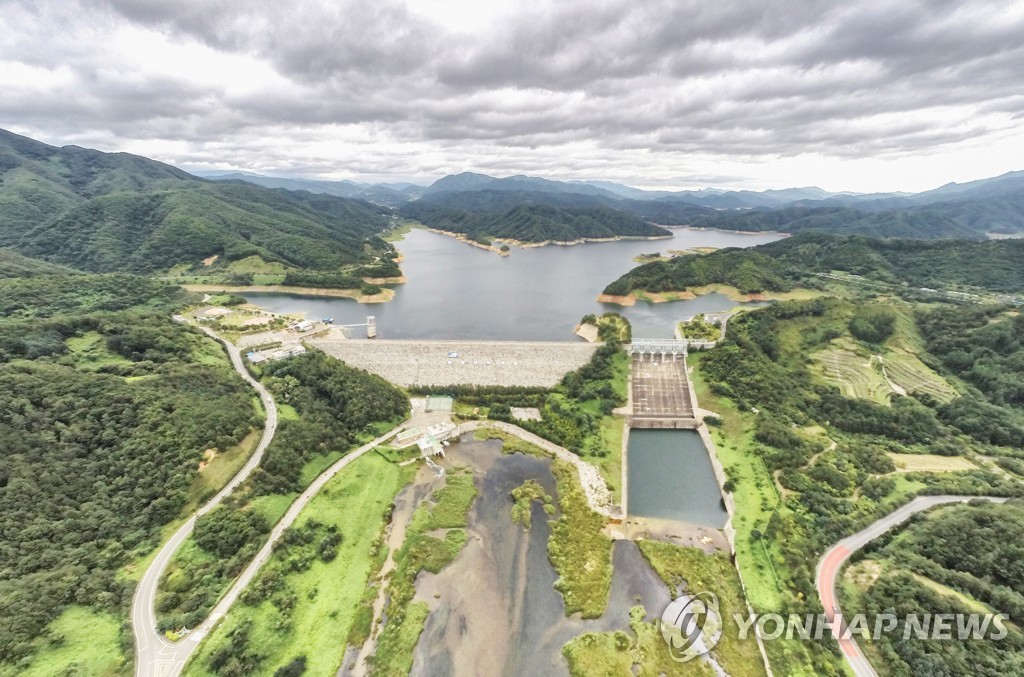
pixel 384 296
pixel 628 300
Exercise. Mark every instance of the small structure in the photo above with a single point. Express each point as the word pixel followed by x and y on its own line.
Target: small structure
pixel 442 431
pixel 305 325
pixel 271 355
pixel 430 446
pixel 371 327
pixel 439 403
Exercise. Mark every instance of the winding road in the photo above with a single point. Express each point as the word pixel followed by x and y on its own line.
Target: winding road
pixel 833 560
pixel 155 655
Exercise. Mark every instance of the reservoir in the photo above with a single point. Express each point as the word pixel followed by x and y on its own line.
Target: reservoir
pixel 456 291
pixel 671 477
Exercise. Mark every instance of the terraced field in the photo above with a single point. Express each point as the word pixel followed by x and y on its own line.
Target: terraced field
pixel 913 376
pixel 855 374
pixel 898 370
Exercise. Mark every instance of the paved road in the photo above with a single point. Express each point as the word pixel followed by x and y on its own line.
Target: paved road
pixel 156 656
pixel 832 562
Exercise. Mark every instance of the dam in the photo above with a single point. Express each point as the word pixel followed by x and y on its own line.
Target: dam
pixel 449 363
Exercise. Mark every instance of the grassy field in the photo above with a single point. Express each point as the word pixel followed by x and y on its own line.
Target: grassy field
pixel 80 641
pixel 931 463
pixel 89 351
pixel 859 372
pixel 756 494
pixel 697 571
pixel 217 471
pixel 578 549
pixel 853 370
pixel 313 603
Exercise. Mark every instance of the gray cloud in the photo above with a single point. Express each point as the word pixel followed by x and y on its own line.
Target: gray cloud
pixel 620 87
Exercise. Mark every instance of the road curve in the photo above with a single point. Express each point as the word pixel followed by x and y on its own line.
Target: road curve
pixel 154 654
pixel 836 556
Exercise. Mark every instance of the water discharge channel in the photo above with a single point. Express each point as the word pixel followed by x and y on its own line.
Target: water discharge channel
pixel 671 477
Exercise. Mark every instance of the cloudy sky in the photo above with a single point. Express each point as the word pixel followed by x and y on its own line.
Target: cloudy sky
pixel 859 95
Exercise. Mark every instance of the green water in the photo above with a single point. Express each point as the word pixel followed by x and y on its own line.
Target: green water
pixel 670 477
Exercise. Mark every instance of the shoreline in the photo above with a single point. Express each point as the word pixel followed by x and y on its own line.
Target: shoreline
pixel 732 293
pixel 726 230
pixel 530 245
pixel 383 297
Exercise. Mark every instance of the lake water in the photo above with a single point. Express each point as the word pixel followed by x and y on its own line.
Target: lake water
pixel 456 291
pixel 670 477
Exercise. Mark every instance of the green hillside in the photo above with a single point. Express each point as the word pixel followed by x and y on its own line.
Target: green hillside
pixel 13 265
pixel 993 265
pixel 118 212
pixel 971 219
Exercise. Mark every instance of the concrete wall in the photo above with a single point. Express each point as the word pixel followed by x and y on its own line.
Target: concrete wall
pixel 425 363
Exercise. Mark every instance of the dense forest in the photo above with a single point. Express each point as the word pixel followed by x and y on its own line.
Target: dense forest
pixel 14 265
pixel 118 212
pixel 531 222
pixel 993 265
pixel 971 220
pixel 747 271
pixel 975 550
pixel 105 414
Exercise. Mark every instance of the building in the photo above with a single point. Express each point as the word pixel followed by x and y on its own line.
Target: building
pixel 430 446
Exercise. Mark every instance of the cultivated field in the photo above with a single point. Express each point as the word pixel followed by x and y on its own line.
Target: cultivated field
pixel 931 463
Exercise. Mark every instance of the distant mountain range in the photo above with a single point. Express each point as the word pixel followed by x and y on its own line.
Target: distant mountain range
pixel 478 204
pixel 97 211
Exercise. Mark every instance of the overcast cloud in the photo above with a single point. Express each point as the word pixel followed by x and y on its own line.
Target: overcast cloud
pixel 660 93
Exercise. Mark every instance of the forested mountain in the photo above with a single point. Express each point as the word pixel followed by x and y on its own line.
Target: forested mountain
pixel 392 195
pixel 972 219
pixel 107 407
pixel 13 264
pixel 993 265
pixel 532 222
pixel 114 211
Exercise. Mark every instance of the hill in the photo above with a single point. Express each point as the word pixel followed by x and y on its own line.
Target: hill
pixel 971 219
pixel 389 195
pixel 13 264
pixel 991 265
pixel 119 212
pixel 527 221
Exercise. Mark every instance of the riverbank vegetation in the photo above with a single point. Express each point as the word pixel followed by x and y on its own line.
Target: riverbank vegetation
pixel 690 570
pixel 578 548
pixel 337 406
pixel 953 560
pixel 643 651
pixel 447 511
pixel 107 410
pixel 523 498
